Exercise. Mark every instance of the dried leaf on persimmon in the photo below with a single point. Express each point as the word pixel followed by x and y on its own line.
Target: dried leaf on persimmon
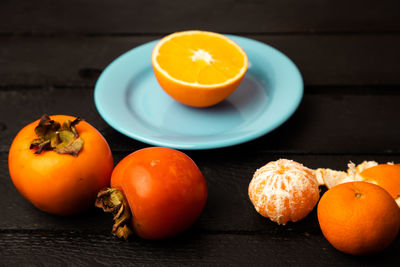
pixel 61 139
pixel 112 200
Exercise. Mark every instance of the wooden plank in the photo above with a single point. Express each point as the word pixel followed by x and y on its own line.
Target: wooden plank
pixel 87 249
pixel 324 123
pixel 227 175
pixel 157 16
pixel 77 61
pixel 61 61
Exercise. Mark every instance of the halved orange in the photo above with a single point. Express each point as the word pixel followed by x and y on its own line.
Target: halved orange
pixel 198 68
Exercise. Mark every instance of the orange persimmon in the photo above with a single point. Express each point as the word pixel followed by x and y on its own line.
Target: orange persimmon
pixel 60 171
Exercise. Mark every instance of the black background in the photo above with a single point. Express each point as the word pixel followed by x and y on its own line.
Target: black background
pixel 51 53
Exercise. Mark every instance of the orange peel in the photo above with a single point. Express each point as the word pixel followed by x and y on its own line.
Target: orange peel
pixel 386 175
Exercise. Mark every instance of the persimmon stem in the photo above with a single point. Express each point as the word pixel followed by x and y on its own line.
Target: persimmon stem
pixel 61 139
pixel 112 200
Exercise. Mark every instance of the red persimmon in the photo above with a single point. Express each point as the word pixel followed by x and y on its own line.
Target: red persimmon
pixel 162 188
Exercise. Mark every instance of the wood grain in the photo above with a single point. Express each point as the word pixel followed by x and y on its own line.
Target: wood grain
pixel 157 16
pixel 78 61
pixel 86 249
pixel 344 123
pixel 228 209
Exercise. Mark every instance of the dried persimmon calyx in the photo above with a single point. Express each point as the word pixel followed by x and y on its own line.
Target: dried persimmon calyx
pixel 112 200
pixel 63 139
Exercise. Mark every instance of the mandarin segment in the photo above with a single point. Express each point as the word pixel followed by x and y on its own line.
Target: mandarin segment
pixel 283 191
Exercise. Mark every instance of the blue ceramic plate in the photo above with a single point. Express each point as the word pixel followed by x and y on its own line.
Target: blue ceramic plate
pixel 129 98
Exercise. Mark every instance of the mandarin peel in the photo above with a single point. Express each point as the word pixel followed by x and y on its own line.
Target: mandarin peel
pixel 283 191
pixel 385 175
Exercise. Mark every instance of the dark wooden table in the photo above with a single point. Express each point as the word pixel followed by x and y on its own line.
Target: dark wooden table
pixel 51 53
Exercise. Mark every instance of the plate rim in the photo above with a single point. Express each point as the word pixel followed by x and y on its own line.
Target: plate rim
pixel 210 144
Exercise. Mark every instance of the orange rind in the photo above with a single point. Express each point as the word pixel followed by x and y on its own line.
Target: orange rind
pixel 385 175
pixel 358 218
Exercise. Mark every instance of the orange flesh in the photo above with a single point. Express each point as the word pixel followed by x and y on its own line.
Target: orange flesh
pixel 200 58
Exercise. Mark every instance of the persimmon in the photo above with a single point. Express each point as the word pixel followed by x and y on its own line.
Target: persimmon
pixel 59 163
pixel 358 218
pixel 156 192
pixel 284 190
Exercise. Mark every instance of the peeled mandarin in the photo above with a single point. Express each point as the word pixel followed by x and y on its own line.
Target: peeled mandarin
pixel 284 190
